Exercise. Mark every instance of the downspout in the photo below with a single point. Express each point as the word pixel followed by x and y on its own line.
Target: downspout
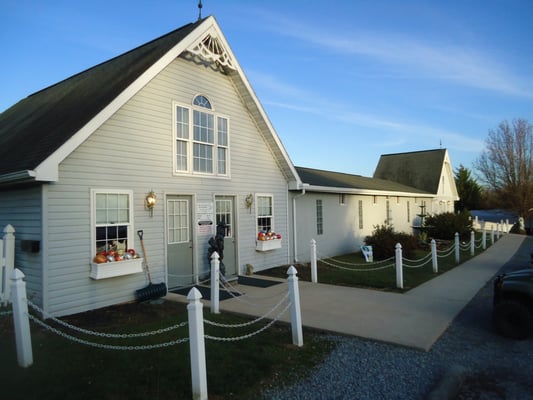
pixel 295 241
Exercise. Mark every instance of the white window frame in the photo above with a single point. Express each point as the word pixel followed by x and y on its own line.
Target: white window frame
pixel 190 143
pixel 319 204
pixel 130 224
pixel 272 212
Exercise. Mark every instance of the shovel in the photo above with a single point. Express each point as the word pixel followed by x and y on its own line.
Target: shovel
pixel 152 291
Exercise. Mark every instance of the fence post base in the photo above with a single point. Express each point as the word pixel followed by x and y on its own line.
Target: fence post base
pixel 296 316
pixel 20 319
pixel 197 345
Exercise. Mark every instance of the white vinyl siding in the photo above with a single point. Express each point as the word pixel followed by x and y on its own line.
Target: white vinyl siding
pixel 142 137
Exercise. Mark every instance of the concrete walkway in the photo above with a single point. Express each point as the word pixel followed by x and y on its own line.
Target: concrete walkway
pixel 415 319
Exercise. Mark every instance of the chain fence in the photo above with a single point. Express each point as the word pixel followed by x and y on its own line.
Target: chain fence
pixel 55 330
pixel 326 260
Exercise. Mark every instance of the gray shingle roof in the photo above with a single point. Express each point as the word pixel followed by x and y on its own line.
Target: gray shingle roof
pixel 338 180
pixel 420 169
pixel 36 126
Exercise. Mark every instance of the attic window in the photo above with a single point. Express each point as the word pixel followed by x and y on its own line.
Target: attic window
pixel 202 101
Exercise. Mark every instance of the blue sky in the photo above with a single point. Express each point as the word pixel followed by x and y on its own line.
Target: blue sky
pixel 342 81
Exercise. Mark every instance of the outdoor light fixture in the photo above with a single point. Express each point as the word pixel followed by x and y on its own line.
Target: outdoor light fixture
pixel 150 201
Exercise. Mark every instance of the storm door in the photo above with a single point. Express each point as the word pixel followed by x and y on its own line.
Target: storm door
pixel 179 241
pixel 225 214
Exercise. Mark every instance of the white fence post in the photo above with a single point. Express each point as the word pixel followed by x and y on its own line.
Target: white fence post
pixel 399 270
pixel 434 256
pixel 7 263
pixel 215 283
pixel 314 277
pixel 472 243
pixel 197 345
pixel 457 248
pixel 296 315
pixel 21 320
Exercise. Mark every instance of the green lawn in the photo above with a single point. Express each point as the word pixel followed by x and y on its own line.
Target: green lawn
pixel 351 270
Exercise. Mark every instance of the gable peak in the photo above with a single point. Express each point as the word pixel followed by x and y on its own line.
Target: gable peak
pixel 210 49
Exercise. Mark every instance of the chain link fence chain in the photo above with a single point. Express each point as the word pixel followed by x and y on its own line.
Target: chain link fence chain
pixel 240 298
pixel 426 260
pixel 249 335
pixel 358 270
pixel 5 313
pixel 249 322
pixel 106 335
pixel 105 346
pixel 323 258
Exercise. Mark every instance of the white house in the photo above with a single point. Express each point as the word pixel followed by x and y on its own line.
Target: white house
pixel 339 210
pixel 175 118
pixel 170 139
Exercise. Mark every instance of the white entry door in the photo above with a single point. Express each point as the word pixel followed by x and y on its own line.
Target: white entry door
pixel 179 241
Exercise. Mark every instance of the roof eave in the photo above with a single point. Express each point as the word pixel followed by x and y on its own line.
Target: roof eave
pixel 368 192
pixel 18 177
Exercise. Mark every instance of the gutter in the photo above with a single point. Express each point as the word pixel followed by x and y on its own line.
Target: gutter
pixel 18 176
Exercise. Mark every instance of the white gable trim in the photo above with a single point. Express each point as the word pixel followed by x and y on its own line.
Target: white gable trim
pixel 48 170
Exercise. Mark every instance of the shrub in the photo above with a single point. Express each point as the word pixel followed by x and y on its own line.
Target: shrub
pixel 443 226
pixel 384 239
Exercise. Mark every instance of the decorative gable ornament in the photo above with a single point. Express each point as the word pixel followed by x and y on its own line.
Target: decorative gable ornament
pixel 211 51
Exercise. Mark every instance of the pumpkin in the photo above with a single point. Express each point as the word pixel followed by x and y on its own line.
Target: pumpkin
pixel 100 258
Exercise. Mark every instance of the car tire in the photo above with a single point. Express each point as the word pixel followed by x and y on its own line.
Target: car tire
pixel 513 319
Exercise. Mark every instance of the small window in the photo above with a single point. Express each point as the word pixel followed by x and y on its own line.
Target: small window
pixel 319 218
pixel 388 221
pixel 264 213
pixel 408 211
pixel 360 214
pixel 113 227
pixel 341 199
pixel 202 101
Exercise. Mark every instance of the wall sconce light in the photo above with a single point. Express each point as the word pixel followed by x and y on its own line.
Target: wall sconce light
pixel 249 201
pixel 150 201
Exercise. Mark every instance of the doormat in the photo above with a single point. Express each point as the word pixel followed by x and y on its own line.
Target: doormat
pixel 206 292
pixel 263 283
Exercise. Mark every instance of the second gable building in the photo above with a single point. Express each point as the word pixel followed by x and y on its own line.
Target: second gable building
pixel 339 210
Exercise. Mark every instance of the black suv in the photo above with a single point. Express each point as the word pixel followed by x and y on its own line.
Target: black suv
pixel 513 304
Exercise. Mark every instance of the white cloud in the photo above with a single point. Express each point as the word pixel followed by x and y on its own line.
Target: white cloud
pixel 464 66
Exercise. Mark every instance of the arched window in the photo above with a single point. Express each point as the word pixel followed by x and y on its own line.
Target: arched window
pixel 202 101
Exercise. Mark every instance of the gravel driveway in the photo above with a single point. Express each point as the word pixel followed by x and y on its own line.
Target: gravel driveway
pixel 495 367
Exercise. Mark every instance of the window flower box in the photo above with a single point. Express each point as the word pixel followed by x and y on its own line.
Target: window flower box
pixel 267 245
pixel 116 268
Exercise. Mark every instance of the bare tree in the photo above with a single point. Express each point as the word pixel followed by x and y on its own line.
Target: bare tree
pixel 506 164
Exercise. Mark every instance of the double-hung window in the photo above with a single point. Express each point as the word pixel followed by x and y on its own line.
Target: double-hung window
pixel 265 213
pixel 113 226
pixel 201 139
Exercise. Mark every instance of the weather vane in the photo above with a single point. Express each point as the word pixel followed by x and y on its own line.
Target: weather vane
pixel 199 10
